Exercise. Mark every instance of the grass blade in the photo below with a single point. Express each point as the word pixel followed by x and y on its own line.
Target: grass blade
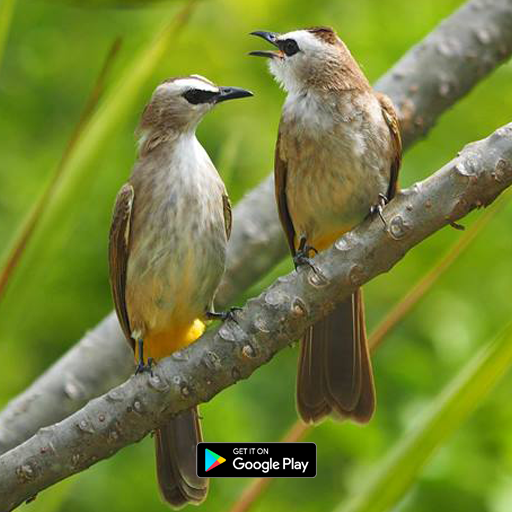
pixel 420 289
pixel 30 222
pixel 259 485
pixel 97 131
pixel 6 10
pixel 449 410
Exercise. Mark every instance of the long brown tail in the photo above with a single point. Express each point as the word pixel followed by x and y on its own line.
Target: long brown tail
pixel 175 445
pixel 335 373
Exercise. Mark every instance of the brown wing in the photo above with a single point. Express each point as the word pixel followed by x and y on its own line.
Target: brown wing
pixel 228 216
pixel 118 252
pixel 388 111
pixel 280 171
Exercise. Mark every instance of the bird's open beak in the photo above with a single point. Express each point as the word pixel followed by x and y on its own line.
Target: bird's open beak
pixel 271 37
pixel 232 93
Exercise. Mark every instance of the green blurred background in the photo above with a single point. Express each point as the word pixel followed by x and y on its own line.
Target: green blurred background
pixel 52 57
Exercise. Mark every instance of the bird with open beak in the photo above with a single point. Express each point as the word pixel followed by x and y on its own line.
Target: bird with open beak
pixel 337 159
pixel 167 251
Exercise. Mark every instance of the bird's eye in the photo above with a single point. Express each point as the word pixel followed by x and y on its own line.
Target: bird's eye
pixel 197 96
pixel 289 47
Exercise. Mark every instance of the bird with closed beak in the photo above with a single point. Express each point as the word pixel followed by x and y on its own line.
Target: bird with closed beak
pixel 337 158
pixel 167 252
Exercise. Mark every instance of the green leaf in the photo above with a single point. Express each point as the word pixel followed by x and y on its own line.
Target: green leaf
pixel 401 467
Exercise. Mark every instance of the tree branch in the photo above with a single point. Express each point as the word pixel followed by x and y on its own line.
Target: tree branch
pixel 266 325
pixel 430 78
pixel 299 430
pixel 68 384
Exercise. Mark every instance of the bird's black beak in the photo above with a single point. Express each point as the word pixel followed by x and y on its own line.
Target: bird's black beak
pixel 232 93
pixel 272 38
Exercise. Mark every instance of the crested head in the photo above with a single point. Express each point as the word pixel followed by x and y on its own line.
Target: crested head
pixel 178 105
pixel 312 58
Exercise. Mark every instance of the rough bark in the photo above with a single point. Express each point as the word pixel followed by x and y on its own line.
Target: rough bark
pixel 266 325
pixel 430 78
pixel 69 383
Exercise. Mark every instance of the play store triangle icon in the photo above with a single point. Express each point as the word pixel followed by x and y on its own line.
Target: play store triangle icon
pixel 212 460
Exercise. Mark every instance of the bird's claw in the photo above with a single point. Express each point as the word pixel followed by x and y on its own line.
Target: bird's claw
pixel 457 226
pixel 302 258
pixel 377 208
pixel 145 368
pixel 223 315
pixel 141 367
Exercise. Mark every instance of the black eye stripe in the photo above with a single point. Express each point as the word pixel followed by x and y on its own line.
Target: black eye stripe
pixel 289 47
pixel 197 96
